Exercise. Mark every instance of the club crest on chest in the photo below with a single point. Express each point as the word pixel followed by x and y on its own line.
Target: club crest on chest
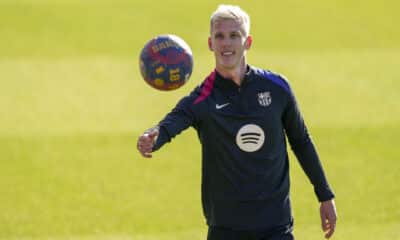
pixel 264 99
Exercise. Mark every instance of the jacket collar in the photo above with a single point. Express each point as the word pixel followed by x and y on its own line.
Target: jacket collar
pixel 229 84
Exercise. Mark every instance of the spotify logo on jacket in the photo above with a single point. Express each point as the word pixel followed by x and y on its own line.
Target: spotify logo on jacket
pixel 250 138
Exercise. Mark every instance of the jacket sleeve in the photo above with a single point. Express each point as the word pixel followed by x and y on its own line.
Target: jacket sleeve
pixel 304 149
pixel 179 119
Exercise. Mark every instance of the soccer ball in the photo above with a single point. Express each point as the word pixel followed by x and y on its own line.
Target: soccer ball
pixel 166 62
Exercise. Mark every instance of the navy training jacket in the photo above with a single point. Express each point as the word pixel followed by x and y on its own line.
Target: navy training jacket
pixel 245 166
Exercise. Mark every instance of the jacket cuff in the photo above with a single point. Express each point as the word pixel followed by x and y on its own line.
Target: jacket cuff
pixel 162 138
pixel 324 194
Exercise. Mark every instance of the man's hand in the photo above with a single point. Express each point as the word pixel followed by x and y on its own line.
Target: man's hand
pixel 328 217
pixel 146 142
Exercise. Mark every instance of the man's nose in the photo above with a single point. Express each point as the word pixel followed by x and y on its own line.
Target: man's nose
pixel 226 41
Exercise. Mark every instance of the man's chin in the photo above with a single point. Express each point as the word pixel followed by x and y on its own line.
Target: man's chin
pixel 227 66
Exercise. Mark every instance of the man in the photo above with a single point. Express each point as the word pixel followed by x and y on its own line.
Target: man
pixel 241 114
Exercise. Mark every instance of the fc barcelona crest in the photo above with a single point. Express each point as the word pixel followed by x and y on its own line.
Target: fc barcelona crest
pixel 264 99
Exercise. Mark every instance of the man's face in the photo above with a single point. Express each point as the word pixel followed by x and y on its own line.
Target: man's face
pixel 228 44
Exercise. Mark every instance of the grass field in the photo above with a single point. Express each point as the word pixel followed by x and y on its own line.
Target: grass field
pixel 72 105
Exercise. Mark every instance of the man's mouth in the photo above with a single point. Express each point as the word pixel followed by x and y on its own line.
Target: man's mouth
pixel 227 53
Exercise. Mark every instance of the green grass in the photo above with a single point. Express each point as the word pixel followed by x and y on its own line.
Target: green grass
pixel 72 104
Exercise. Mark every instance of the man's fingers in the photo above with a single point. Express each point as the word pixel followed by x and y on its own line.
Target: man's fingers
pixel 330 231
pixel 145 148
pixel 332 226
pixel 146 140
pixel 329 234
pixel 151 135
pixel 147 154
pixel 145 144
pixel 324 226
pixel 323 221
pixel 328 217
pixel 329 226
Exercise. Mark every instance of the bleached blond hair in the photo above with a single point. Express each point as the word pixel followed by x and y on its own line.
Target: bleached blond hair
pixel 226 12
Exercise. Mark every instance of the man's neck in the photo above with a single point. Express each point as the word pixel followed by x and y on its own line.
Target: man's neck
pixel 236 74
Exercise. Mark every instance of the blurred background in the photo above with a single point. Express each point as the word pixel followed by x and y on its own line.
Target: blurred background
pixel 72 104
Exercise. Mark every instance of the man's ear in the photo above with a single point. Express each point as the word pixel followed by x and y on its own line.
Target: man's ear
pixel 210 44
pixel 248 42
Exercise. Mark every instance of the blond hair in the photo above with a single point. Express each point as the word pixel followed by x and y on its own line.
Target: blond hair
pixel 226 12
